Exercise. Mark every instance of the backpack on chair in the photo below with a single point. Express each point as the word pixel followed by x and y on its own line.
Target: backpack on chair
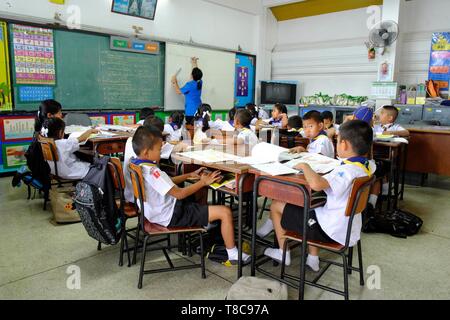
pixel 95 202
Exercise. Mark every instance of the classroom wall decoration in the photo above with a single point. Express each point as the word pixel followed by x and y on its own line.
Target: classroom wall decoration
pixel 123 119
pixel 14 155
pixel 98 120
pixel 35 93
pixel 138 8
pixel 245 80
pixel 17 128
pixel 5 81
pixel 440 60
pixel 34 56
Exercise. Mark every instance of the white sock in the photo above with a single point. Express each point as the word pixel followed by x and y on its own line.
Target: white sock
pixel 277 254
pixel 233 254
pixel 313 262
pixel 266 228
pixel 373 200
pixel 385 189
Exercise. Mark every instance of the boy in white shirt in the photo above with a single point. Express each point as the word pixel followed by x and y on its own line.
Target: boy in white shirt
pixel 69 166
pixel 167 204
pixel 243 134
pixel 313 128
pixel 388 116
pixel 331 128
pixel 328 223
pixel 144 114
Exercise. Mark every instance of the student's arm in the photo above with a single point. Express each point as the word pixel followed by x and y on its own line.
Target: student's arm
pixel 86 135
pixel 205 180
pixel 297 150
pixel 184 177
pixel 315 181
pixel 403 133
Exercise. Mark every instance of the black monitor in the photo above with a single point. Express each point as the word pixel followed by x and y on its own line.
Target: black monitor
pixel 277 92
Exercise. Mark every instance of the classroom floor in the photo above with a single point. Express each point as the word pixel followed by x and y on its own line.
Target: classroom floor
pixel 35 257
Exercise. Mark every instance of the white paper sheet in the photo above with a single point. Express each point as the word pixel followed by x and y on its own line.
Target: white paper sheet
pixel 275 169
pixel 319 163
pixel 210 156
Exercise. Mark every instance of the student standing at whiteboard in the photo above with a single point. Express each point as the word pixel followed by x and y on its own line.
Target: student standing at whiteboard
pixel 191 90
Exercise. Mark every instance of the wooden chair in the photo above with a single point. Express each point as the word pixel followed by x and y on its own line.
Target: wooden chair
pixel 50 154
pixel 292 141
pixel 150 230
pixel 357 203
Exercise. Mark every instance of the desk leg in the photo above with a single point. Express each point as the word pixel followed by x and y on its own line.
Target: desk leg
pixel 397 179
pixel 254 213
pixel 405 157
pixel 240 209
pixel 391 176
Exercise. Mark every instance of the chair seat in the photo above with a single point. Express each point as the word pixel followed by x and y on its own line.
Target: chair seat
pixel 333 246
pixel 156 229
pixel 129 209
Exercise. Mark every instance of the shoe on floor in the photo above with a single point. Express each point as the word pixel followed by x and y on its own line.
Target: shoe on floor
pixel 277 255
pixel 246 260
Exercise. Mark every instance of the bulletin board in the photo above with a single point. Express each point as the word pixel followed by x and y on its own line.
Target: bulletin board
pixel 440 60
pixel 245 80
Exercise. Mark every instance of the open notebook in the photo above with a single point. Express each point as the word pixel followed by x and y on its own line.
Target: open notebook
pixel 268 153
pixel 319 163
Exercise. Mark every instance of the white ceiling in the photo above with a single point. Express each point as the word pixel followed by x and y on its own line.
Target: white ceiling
pixel 249 6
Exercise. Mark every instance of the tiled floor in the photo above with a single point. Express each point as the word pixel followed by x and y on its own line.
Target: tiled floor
pixel 36 259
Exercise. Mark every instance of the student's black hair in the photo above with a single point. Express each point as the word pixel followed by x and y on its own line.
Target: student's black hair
pixel 295 122
pixel 232 113
pixel 46 107
pixel 327 115
pixel 392 110
pixel 197 75
pixel 281 107
pixel 55 126
pixel 359 134
pixel 244 117
pixel 199 115
pixel 313 115
pixel 251 107
pixel 177 118
pixel 146 112
pixel 155 122
pixel 145 138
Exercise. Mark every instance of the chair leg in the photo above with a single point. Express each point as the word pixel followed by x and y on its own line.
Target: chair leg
pixel 344 260
pixel 122 244
pixel 128 251
pixel 283 261
pixel 141 271
pixel 350 260
pixel 301 287
pixel 202 256
pixel 29 192
pixel 361 268
pixel 263 208
pixel 190 254
pixel 99 246
pixel 136 242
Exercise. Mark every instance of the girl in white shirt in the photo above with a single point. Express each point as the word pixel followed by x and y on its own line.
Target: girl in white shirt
pixel 174 127
pixel 47 110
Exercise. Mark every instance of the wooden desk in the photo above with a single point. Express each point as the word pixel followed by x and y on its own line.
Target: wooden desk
pixel 429 150
pixel 244 184
pixel 107 146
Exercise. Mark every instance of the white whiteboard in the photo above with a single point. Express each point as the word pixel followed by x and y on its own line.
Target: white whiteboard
pixel 218 76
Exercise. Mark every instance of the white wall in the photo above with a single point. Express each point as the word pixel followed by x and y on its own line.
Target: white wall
pixel 205 22
pixel 327 53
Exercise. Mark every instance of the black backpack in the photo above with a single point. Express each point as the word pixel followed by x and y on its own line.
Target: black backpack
pixel 399 224
pixel 40 170
pixel 95 202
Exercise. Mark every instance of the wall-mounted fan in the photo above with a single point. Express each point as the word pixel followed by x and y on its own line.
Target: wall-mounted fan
pixel 383 34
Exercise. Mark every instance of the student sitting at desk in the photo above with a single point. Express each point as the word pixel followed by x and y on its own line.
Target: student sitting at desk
pixel 144 114
pixel 69 165
pixel 331 128
pixel 171 206
pixel 256 112
pixel 48 109
pixel 174 127
pixel 166 151
pixel 388 116
pixel 295 125
pixel 203 125
pixel 243 135
pixel 279 116
pixel 328 223
pixel 314 129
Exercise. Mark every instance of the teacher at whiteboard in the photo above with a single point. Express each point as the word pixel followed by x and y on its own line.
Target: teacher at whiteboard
pixel 192 91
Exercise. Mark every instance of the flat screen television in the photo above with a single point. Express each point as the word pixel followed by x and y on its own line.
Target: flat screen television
pixel 277 92
pixel 138 8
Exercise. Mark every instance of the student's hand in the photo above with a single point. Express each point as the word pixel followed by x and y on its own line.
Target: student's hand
pixel 208 179
pixel 259 123
pixel 302 166
pixel 196 174
pixel 297 150
pixel 87 134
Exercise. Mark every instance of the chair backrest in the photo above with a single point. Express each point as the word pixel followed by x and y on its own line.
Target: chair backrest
pixel 137 180
pixel 118 164
pixel 359 196
pixel 287 141
pixel 49 151
pixel 78 119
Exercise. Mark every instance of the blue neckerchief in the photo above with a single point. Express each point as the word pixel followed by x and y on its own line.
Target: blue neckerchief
pixel 138 162
pixel 174 126
pixel 275 121
pixel 321 133
pixel 231 122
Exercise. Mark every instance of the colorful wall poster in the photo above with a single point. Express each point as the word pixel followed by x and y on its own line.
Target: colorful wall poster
pixel 35 93
pixel 245 80
pixel 138 8
pixel 98 120
pixel 34 56
pixel 123 119
pixel 14 155
pixel 440 60
pixel 5 81
pixel 17 128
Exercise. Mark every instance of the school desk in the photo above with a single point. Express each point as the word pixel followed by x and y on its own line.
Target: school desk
pixel 244 184
pixel 429 150
pixel 106 146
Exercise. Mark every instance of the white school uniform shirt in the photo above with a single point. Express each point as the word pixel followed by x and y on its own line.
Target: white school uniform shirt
pixel 323 145
pixel 275 123
pixel 141 123
pixel 175 135
pixel 248 136
pixel 380 129
pixel 69 166
pixel 331 217
pixel 158 205
pixel 166 151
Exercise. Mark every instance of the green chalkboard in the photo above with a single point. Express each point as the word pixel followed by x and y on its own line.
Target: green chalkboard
pixel 89 75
